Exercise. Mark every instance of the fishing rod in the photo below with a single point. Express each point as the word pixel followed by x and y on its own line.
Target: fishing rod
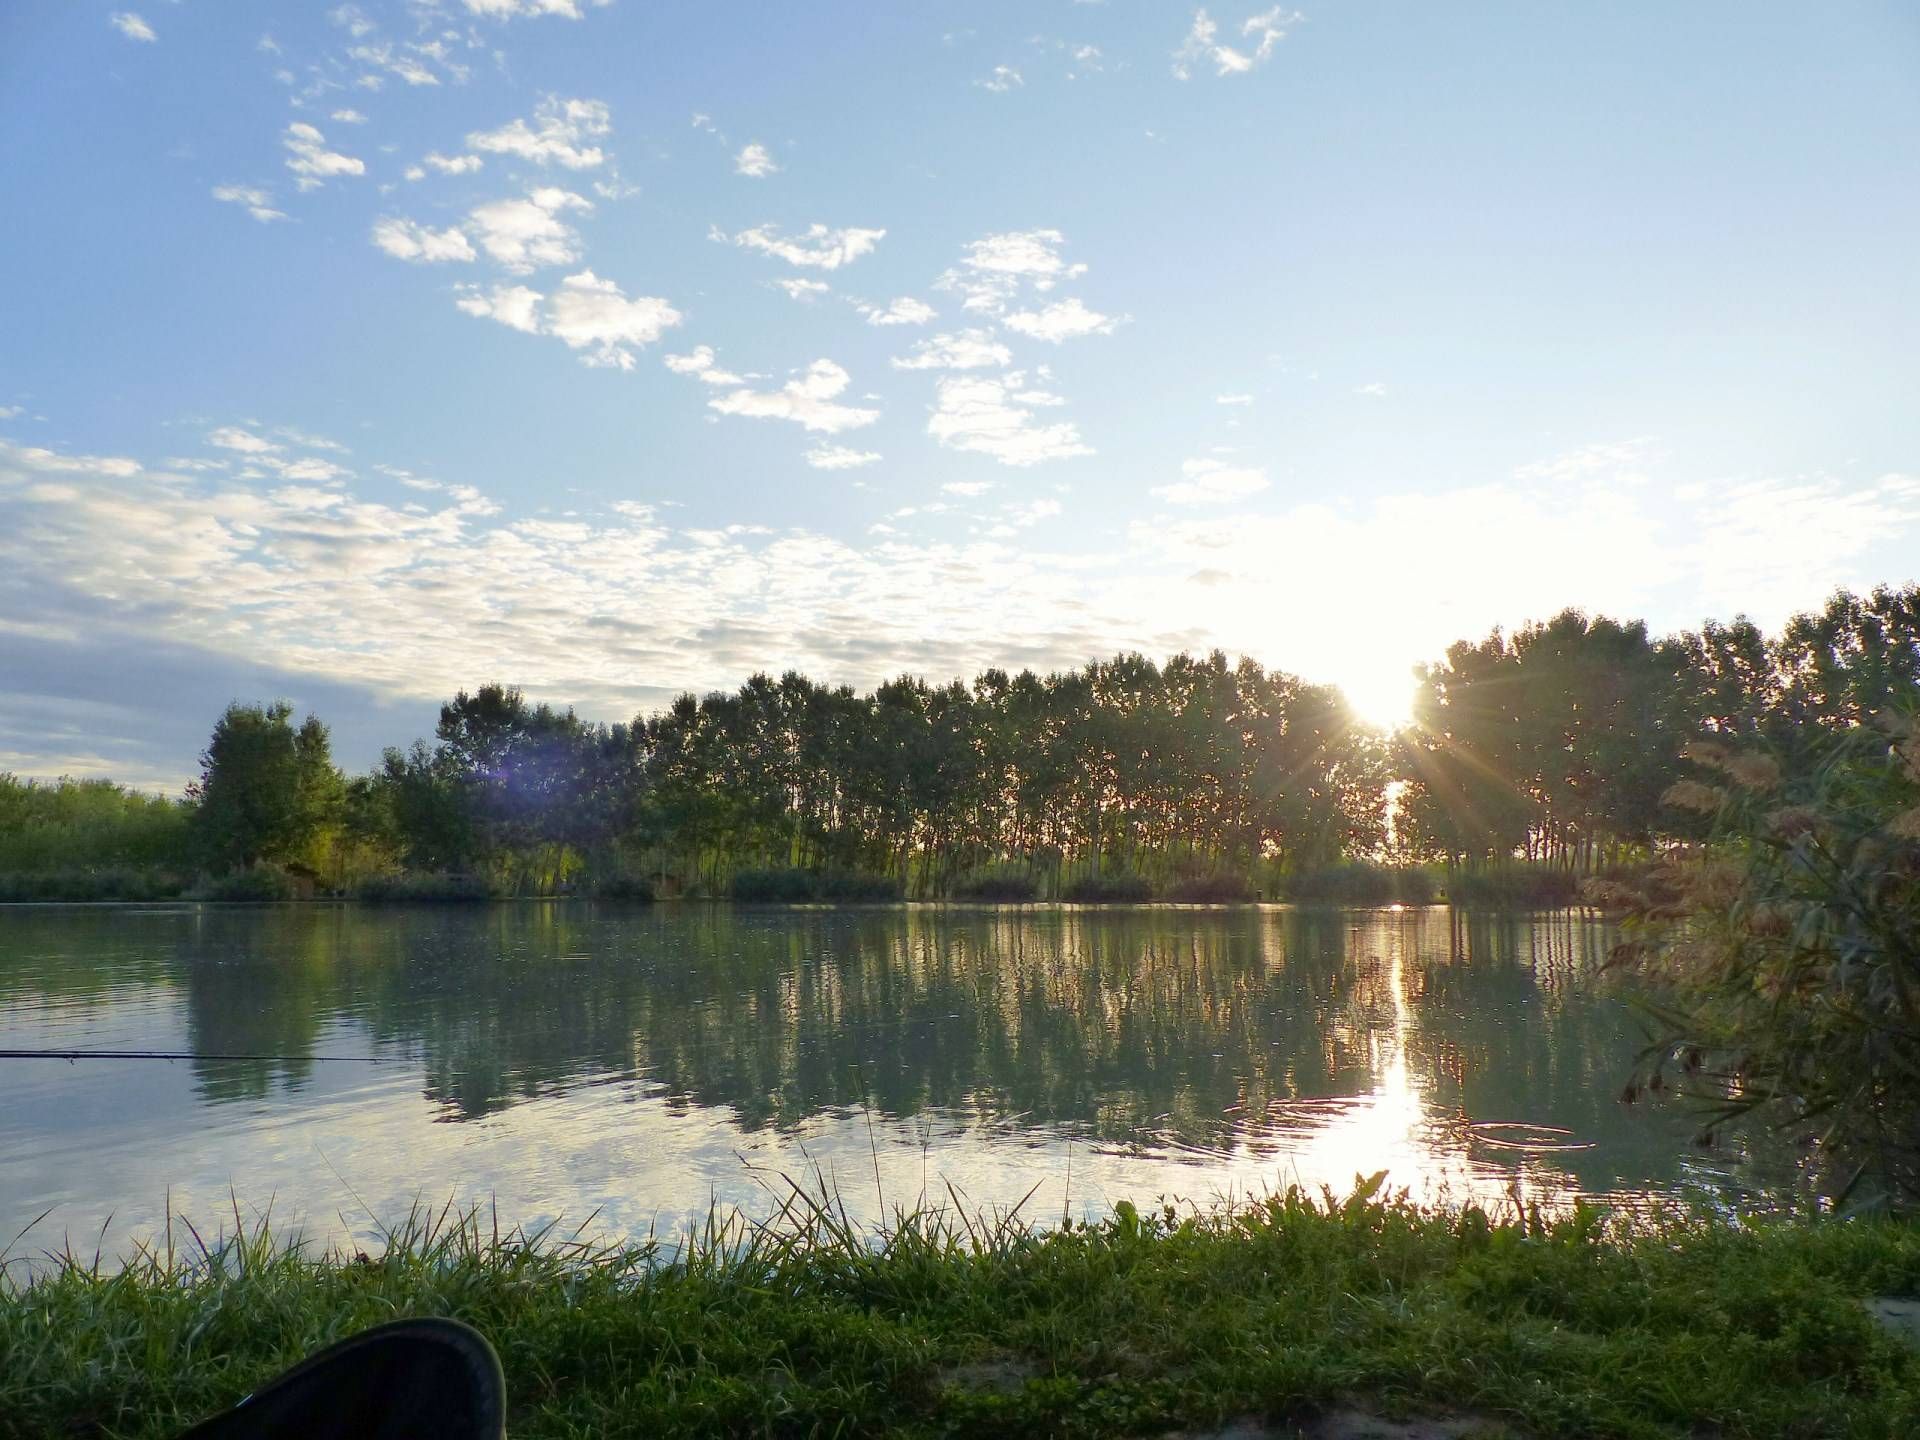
pixel 71 1055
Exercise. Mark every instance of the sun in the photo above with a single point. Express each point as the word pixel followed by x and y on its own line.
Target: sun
pixel 1381 696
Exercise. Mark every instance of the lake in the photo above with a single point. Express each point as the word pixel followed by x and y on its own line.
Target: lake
pixel 637 1064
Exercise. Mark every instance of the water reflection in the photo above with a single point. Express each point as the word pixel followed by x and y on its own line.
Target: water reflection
pixel 572 1055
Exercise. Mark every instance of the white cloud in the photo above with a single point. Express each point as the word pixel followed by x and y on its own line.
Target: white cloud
pixel 840 457
pixel 808 401
pixel 258 202
pixel 510 9
pixel 232 437
pixel 1374 388
pixel 967 489
pixel 349 117
pixel 1259 35
pixel 819 248
pixel 1233 399
pixel 310 159
pixel 994 268
pixel 1212 482
pixel 403 62
pixel 406 240
pixel 515 306
pixel 700 362
pixel 453 164
pixel 1003 79
pixel 1062 320
pixel 904 311
pixel 1618 460
pixel 754 162
pixel 528 233
pixel 586 313
pixel 984 416
pixel 969 350
pixel 556 137
pixel 803 289
pixel 132 26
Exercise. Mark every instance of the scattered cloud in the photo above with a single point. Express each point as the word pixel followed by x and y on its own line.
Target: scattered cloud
pixel 512 9
pixel 904 311
pixel 803 289
pixel 257 201
pixel 232 437
pixel 557 135
pixel 1233 399
pixel 132 26
pixel 1063 320
pixel 1003 79
pixel 701 363
pixel 754 162
pixel 1213 482
pixel 309 158
pixel 452 164
pixel 1374 388
pixel 969 350
pixel 1259 35
pixel 987 417
pixel 808 400
pixel 349 117
pixel 840 457
pixel 588 314
pixel 525 234
pixel 993 269
pixel 405 240
pixel 819 248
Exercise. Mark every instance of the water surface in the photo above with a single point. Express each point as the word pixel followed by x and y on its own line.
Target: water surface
pixel 567 1059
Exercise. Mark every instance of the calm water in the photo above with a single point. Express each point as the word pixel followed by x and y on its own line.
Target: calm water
pixel 642 1062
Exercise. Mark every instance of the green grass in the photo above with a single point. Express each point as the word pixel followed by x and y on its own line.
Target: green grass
pixel 946 1325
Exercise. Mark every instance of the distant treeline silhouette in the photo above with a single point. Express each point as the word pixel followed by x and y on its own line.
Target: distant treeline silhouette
pixel 1195 777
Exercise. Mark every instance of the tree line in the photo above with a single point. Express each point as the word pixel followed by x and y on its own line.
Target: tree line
pixel 1549 746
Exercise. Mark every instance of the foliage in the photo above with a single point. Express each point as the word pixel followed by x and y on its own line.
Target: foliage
pixel 998 884
pixel 951 1323
pixel 1791 949
pixel 267 792
pixel 1110 889
pixel 254 883
pixel 795 886
pixel 1360 882
pixel 77 826
pixel 415 886
pixel 1216 889
pixel 1513 886
pixel 112 882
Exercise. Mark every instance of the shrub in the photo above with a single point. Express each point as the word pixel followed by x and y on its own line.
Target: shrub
pixel 70 885
pixel 1360 882
pixel 1000 885
pixel 1514 887
pixel 1786 954
pixel 256 882
pixel 1121 888
pixel 1211 890
pixel 621 885
pixel 794 886
pixel 426 887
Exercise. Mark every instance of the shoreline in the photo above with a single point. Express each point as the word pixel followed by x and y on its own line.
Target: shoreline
pixel 1289 1312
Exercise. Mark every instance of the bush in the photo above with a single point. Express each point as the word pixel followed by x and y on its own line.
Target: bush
pixel 1360 882
pixel 1211 890
pixel 1001 886
pixel 796 887
pixel 1514 887
pixel 256 882
pixel 621 885
pixel 1116 889
pixel 73 886
pixel 1785 950
pixel 422 887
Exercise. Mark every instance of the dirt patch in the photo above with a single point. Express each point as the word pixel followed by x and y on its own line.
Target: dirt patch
pixel 987 1377
pixel 1902 1317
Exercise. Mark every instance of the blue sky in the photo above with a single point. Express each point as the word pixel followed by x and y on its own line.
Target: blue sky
pixel 355 354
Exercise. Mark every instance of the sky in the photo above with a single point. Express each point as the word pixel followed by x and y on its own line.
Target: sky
pixel 356 355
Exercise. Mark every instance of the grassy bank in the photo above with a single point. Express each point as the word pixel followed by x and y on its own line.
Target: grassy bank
pixel 1683 1326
